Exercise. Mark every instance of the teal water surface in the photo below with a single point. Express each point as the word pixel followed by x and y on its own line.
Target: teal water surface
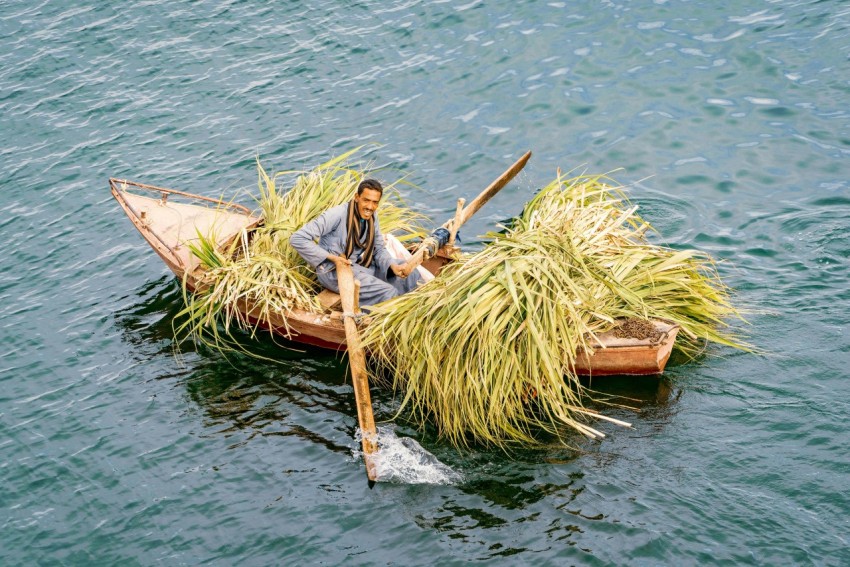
pixel 728 121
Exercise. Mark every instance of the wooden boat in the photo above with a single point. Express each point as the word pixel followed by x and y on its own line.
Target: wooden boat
pixel 169 220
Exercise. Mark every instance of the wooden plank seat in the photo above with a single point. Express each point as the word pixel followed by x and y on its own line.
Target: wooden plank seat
pixel 329 300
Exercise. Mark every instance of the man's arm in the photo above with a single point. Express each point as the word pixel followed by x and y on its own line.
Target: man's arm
pixel 385 262
pixel 304 239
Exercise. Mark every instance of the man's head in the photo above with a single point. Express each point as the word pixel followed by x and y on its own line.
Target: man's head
pixel 368 196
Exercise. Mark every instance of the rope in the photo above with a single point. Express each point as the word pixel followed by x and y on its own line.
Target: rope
pixel 356 316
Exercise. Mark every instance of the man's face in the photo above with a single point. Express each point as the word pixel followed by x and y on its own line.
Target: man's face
pixel 367 202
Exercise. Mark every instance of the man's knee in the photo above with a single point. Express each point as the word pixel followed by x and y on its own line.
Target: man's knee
pixel 374 291
pixel 372 288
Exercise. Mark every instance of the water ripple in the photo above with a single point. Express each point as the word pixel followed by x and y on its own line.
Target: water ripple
pixel 727 122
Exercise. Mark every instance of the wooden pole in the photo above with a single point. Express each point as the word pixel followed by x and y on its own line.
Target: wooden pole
pixel 479 201
pixel 456 221
pixel 348 291
pixel 473 207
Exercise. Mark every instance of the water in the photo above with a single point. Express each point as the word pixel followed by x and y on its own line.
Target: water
pixel 729 122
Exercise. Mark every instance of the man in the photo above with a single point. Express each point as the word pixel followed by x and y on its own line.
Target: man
pixel 349 234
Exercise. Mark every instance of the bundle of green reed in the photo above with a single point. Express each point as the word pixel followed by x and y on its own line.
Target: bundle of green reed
pixel 262 270
pixel 485 352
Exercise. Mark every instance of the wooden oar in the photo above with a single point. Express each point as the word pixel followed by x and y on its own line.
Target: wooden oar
pixel 473 207
pixel 357 362
pixel 479 201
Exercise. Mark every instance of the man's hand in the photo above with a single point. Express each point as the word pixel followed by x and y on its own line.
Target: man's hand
pixel 337 260
pixel 401 270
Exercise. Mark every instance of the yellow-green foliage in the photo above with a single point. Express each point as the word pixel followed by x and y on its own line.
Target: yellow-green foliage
pixel 476 349
pixel 485 351
pixel 263 270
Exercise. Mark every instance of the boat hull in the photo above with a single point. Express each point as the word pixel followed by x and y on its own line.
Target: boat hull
pixel 170 227
pixel 617 356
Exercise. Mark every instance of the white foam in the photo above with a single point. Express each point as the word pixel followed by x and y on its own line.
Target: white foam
pixel 402 460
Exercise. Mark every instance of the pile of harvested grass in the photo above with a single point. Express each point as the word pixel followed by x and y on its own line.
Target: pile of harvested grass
pixel 485 351
pixel 469 350
pixel 263 269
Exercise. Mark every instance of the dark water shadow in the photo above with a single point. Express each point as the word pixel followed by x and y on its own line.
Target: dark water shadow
pixel 242 396
pixel 636 391
pixel 306 394
pixel 502 490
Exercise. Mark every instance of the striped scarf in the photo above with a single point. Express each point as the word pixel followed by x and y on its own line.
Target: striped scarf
pixel 365 241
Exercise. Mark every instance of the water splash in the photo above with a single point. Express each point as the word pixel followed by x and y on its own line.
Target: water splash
pixel 402 460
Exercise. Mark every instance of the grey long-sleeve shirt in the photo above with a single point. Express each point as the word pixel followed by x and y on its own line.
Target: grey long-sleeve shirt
pixel 327 234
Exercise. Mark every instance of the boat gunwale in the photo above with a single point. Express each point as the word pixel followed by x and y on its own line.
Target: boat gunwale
pixel 113 181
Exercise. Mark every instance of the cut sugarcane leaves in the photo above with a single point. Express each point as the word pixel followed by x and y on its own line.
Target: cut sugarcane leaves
pixel 467 349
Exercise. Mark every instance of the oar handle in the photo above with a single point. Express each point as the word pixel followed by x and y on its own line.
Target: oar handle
pixel 456 222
